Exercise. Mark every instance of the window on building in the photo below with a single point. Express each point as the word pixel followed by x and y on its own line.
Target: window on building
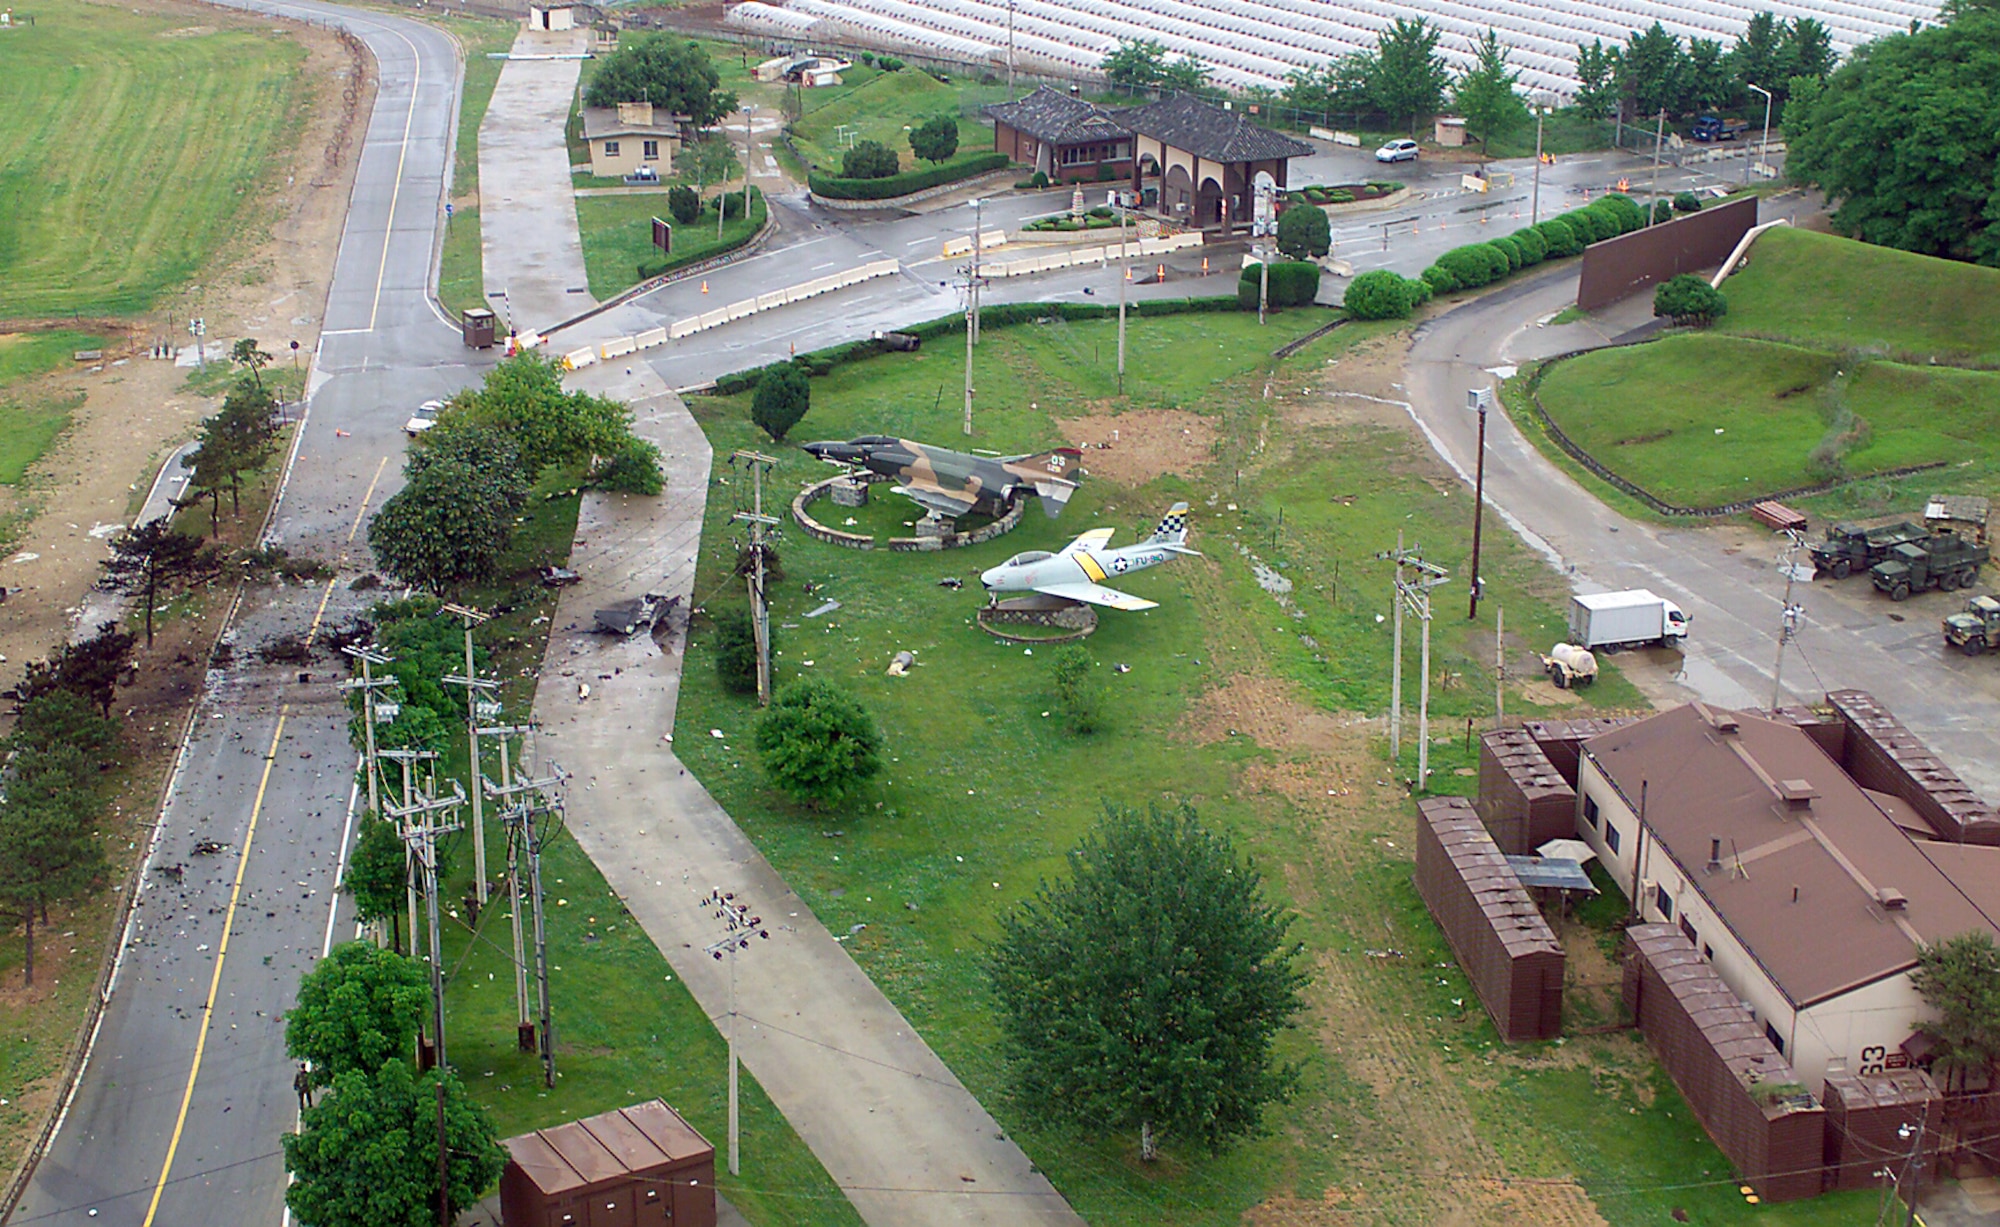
pixel 1708 952
pixel 1611 839
pixel 1687 931
pixel 1590 810
pixel 1121 151
pixel 1663 901
pixel 652 150
pixel 611 149
pixel 1777 1041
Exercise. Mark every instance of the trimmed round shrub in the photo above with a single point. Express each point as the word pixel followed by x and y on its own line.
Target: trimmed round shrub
pixel 1439 278
pixel 1420 291
pixel 1303 232
pixel 869 160
pixel 1687 202
pixel 1507 247
pixel 1688 299
pixel 1534 248
pixel 1380 295
pixel 1560 238
pixel 1663 211
pixel 1293 283
pixel 1474 265
pixel 1630 216
pixel 1590 227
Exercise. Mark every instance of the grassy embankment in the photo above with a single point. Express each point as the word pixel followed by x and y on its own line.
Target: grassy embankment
pixel 884 106
pixel 1835 359
pixel 31 420
pixel 461 273
pixel 1265 713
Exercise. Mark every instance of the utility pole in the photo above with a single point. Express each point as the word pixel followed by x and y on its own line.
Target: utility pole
pixel 1481 398
pixel 1415 594
pixel 737 926
pixel 1659 135
pixel 1535 207
pixel 369 657
pixel 474 685
pixel 1262 224
pixel 972 311
pixel 420 832
pixel 406 758
pixel 1788 625
pixel 1124 278
pixel 1010 50
pixel 1763 150
pixel 524 1027
pixel 760 612
pixel 546 802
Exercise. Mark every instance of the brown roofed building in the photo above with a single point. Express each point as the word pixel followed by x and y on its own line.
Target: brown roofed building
pixel 1796 883
pixel 1063 137
pixel 632 136
pixel 640 1166
pixel 1208 158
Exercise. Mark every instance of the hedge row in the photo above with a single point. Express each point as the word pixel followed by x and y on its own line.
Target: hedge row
pixel 1293 283
pixel 821 361
pixel 834 187
pixel 649 269
pixel 1478 264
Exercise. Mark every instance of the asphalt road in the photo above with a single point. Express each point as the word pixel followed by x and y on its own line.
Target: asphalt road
pixel 177 1116
pixel 1851 636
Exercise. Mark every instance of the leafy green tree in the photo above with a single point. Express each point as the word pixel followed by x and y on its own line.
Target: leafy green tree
pixel 1688 299
pixel 1653 71
pixel 525 398
pixel 708 160
pixel 783 396
pixel 1597 73
pixel 1959 978
pixel 683 203
pixel 367 1155
pixel 1079 691
pixel 1138 63
pixel 153 563
pixel 1379 295
pixel 1758 57
pixel 936 138
pixel 449 525
pixel 1808 50
pixel 1304 232
pixel 817 743
pixel 1485 95
pixel 1904 138
pixel 238 439
pixel 48 855
pixel 1710 85
pixel 376 877
pixel 1146 991
pixel 1187 75
pixel 89 669
pixel 633 469
pixel 1338 87
pixel 461 439
pixel 1410 76
pixel 671 73
pixel 358 1010
pixel 736 651
pixel 869 160
pixel 253 360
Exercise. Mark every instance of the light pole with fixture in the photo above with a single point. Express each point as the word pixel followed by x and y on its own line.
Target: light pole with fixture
pixel 1541 104
pixel 1763 150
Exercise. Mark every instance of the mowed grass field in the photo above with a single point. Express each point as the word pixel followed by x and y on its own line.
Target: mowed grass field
pixel 132 147
pixel 882 106
pixel 1263 708
pixel 1836 360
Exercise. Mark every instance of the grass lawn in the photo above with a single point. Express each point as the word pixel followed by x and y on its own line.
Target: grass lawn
pixel 1265 713
pixel 618 238
pixel 29 423
pixel 883 106
pixel 1819 289
pixel 462 275
pixel 134 147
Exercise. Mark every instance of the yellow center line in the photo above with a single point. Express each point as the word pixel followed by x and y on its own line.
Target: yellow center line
pixel 363 509
pixel 215 980
pixel 312 632
pixel 396 192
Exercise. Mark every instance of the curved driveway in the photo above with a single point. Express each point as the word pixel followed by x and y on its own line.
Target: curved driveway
pixel 177 1115
pixel 1851 637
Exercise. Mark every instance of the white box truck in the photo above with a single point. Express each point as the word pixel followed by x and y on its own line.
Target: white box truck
pixel 1633 618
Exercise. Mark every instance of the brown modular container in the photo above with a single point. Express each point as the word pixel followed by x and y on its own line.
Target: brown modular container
pixel 1884 756
pixel 1719 1057
pixel 1616 268
pixel 1826 730
pixel 479 327
pixel 1561 740
pixel 1501 940
pixel 1864 1113
pixel 1522 800
pixel 641 1166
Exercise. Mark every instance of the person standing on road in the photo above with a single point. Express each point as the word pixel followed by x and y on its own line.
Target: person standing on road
pixel 302 1083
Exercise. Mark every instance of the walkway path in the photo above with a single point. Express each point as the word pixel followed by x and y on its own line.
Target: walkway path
pixel 892 1125
pixel 527 224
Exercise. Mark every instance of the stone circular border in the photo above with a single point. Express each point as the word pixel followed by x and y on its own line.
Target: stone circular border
pixel 912 545
pixel 1082 632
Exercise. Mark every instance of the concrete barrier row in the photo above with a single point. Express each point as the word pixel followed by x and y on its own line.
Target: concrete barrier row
pixel 1089 255
pixel 962 246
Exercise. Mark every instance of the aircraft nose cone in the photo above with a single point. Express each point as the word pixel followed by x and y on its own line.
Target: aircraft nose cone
pixel 988 578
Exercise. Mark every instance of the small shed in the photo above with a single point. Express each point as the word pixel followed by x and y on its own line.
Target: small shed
pixel 1523 799
pixel 641 1166
pixel 551 17
pixel 1966 513
pixel 1865 1114
pixel 1503 944
pixel 1449 131
pixel 479 327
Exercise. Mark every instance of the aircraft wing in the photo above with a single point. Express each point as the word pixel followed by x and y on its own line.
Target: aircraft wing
pixel 933 499
pixel 1094 594
pixel 1088 541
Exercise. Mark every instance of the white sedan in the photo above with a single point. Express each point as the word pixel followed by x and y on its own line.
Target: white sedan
pixel 424 418
pixel 1397 151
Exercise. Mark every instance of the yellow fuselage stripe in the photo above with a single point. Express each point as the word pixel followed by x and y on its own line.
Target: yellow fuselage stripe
pixel 1090 568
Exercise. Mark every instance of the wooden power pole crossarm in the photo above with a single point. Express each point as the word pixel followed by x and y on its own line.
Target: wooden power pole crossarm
pixel 760 613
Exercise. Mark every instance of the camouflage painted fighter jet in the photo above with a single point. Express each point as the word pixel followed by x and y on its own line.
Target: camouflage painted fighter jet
pixel 1079 571
pixel 953 484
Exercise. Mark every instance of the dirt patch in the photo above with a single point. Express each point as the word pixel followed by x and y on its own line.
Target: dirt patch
pixel 1360 386
pixel 1547 694
pixel 1265 710
pixel 1131 449
pixel 136 409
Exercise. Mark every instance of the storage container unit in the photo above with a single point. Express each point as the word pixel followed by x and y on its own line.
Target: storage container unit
pixel 1744 1093
pixel 1561 740
pixel 1523 801
pixel 641 1166
pixel 1502 942
pixel 1884 756
pixel 479 327
pixel 1864 1114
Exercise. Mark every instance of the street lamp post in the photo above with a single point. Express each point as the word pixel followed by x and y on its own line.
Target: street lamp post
pixel 1535 207
pixel 1763 150
pixel 722 205
pixel 738 927
pixel 1124 276
pixel 972 311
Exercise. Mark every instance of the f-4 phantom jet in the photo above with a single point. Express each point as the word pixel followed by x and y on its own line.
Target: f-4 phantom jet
pixel 1079 571
pixel 953 484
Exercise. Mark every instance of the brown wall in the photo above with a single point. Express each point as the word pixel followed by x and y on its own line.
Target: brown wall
pixel 1883 755
pixel 1502 943
pixel 1712 1047
pixel 1863 1115
pixel 1629 263
pixel 1523 800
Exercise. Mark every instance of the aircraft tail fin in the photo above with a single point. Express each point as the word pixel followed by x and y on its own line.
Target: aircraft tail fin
pixel 1056 475
pixel 1173 527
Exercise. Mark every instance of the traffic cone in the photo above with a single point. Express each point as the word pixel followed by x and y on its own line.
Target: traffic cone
pixel 704 287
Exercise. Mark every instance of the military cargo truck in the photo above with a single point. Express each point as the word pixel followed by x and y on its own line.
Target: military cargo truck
pixel 1977 628
pixel 1941 560
pixel 1850 547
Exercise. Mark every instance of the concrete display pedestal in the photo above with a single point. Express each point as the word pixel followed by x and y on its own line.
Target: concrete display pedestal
pixel 1046 612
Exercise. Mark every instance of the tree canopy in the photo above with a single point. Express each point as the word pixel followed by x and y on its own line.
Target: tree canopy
pixel 869 160
pixel 1959 978
pixel 366 1155
pixel 1485 95
pixel 1410 77
pixel 153 562
pixel 449 525
pixel 936 138
pixel 1304 232
pixel 817 743
pixel 1145 992
pixel 671 73
pixel 49 850
pixel 783 396
pixel 524 398
pixel 357 1010
pixel 376 875
pixel 1904 139
pixel 89 668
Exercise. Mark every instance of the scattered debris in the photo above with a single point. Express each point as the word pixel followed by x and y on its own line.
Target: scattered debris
pixel 208 847
pixel 559 577
pixel 630 617
pixel 902 663
pixel 824 609
pixel 1121 667
pixel 952 582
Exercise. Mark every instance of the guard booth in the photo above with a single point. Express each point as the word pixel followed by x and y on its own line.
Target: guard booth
pixel 641 1166
pixel 479 327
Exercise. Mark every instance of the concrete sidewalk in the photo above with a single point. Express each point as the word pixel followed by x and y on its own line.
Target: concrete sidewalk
pixel 894 1128
pixel 527 221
